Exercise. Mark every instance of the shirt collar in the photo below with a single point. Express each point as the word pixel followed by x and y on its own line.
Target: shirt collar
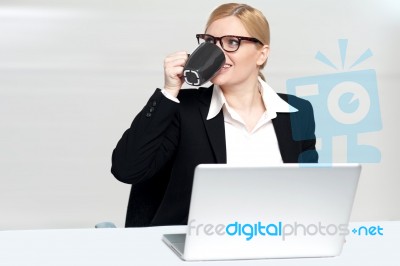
pixel 273 103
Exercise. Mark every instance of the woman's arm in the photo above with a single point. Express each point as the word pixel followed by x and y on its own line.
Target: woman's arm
pixel 150 143
pixel 303 129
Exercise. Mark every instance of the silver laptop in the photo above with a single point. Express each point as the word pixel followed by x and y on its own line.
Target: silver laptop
pixel 285 211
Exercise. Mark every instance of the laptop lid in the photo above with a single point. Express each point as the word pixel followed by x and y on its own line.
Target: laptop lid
pixel 283 211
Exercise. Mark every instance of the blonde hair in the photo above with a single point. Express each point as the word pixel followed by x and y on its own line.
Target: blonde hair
pixel 252 19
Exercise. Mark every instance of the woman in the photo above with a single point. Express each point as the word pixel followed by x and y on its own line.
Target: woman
pixel 238 120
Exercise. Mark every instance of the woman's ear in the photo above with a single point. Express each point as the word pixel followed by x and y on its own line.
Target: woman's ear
pixel 264 53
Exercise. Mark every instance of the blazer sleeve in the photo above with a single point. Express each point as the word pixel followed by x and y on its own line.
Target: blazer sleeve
pixel 303 129
pixel 150 143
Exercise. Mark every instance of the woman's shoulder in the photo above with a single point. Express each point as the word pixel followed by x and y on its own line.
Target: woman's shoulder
pixel 295 101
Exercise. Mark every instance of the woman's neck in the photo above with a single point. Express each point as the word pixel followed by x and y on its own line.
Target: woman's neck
pixel 247 101
pixel 244 96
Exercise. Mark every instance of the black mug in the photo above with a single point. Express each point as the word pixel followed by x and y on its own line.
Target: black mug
pixel 203 64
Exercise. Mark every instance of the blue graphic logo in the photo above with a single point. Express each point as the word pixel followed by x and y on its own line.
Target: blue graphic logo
pixel 345 104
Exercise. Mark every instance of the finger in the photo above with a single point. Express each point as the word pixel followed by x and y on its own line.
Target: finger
pixel 174 72
pixel 176 56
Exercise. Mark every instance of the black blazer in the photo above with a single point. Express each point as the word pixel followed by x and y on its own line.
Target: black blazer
pixel 167 140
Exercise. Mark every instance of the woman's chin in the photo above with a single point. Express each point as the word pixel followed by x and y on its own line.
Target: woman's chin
pixel 218 80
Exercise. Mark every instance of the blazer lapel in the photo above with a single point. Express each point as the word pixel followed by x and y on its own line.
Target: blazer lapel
pixel 284 135
pixel 215 127
pixel 216 131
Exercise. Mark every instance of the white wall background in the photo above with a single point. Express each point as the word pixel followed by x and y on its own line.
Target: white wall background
pixel 74 73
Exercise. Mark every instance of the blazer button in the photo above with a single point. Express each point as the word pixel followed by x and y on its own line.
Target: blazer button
pixel 148 114
pixel 154 103
pixel 151 109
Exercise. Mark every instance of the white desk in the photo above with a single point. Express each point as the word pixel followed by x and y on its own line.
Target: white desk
pixel 143 246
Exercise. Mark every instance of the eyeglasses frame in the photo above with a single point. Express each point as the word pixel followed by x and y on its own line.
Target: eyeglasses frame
pixel 219 39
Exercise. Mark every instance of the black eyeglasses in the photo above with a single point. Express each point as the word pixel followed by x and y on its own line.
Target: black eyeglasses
pixel 230 43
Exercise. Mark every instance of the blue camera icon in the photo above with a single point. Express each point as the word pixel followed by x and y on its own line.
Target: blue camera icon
pixel 345 104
